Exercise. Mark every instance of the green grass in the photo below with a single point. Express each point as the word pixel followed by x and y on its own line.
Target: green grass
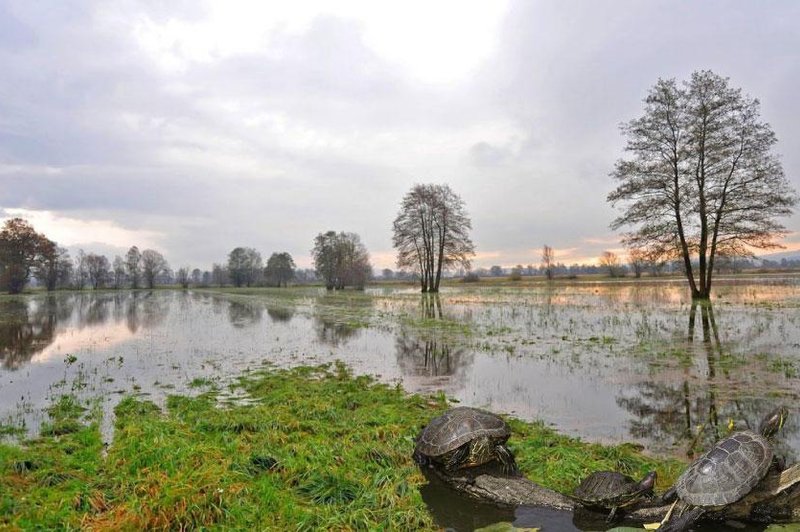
pixel 317 448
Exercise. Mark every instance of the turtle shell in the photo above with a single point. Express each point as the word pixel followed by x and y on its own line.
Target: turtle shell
pixel 603 488
pixel 456 427
pixel 728 472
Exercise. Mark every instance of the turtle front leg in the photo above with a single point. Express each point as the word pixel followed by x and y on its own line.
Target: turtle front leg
pixel 611 514
pixel 420 458
pixel 684 521
pixel 669 495
pixel 457 459
pixel 506 458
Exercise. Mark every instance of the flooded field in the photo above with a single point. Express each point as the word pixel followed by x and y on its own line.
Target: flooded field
pixel 609 362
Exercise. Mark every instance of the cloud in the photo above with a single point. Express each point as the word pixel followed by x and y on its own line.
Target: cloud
pixel 76 232
pixel 202 126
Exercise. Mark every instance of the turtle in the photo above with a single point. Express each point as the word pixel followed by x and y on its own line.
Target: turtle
pixel 465 437
pixel 726 473
pixel 610 490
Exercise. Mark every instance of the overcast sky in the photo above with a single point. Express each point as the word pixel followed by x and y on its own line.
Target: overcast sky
pixel 196 127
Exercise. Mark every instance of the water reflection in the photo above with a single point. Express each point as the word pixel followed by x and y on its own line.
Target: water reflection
pixel 457 512
pixel 245 314
pixel 431 306
pixel 339 317
pixel 430 358
pixel 332 331
pixel 693 412
pixel 25 331
pixel 28 327
pixel 427 353
pixel 280 314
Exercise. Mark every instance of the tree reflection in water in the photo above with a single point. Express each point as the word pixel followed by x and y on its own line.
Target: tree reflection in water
pixel 690 415
pixel 337 314
pixel 426 354
pixel 245 314
pixel 280 314
pixel 332 331
pixel 25 331
pixel 30 325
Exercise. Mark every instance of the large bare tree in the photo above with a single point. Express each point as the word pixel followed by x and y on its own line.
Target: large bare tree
pixel 431 233
pixel 701 178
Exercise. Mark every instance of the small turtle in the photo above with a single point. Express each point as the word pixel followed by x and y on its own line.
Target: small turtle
pixel 465 437
pixel 609 490
pixel 726 473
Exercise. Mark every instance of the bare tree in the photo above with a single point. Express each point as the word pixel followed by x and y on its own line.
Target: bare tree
pixel 548 261
pixel 702 178
pixel 219 275
pixel 51 263
pixel 97 267
pixel 341 260
pixel 133 263
pixel 637 260
pixel 610 261
pixel 64 275
pixel 182 276
pixel 280 269
pixel 153 265
pixel 81 270
pixel 431 233
pixel 119 269
pixel 197 276
pixel 244 266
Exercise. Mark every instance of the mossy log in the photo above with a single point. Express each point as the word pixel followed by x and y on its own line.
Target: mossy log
pixel 775 499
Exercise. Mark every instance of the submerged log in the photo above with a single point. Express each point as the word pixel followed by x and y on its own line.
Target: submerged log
pixel 774 499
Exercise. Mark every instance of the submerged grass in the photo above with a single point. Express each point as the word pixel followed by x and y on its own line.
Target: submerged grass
pixel 316 448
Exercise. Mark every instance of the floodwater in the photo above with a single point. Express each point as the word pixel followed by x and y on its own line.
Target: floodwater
pixel 608 362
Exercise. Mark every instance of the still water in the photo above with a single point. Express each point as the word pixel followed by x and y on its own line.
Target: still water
pixel 608 362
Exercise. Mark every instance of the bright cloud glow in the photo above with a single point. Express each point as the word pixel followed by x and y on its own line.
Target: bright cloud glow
pixel 73 231
pixel 433 42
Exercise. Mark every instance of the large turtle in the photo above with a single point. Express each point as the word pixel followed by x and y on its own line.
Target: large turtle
pixel 726 473
pixel 609 490
pixel 465 437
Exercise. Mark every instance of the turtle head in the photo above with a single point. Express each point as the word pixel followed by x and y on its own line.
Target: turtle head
pixel 648 482
pixel 773 422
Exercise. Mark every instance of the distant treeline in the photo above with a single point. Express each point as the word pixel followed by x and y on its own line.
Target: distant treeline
pixel 28 257
pixel 619 269
pixel 340 260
